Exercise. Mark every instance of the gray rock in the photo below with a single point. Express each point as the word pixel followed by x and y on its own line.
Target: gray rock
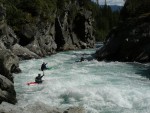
pixel 9 64
pixel 23 53
pixel 2 45
pixel 28 31
pixel 44 43
pixel 7 35
pixel 7 92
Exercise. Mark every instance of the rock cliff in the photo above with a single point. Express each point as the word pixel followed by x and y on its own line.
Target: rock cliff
pixel 33 31
pixel 130 40
pixel 9 63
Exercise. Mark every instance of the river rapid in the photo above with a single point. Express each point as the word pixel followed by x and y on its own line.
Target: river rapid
pixel 98 87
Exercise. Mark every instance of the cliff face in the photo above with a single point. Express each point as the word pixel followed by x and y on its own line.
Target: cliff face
pixel 130 41
pixel 36 30
pixel 9 63
pixel 42 33
pixel 74 33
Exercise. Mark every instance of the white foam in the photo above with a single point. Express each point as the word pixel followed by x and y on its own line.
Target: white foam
pixel 97 86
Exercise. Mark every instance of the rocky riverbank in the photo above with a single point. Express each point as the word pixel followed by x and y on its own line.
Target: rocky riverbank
pixel 39 38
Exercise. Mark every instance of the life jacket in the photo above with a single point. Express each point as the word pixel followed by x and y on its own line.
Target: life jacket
pixel 38 79
pixel 43 67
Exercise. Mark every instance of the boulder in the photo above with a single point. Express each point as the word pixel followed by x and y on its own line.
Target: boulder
pixel 7 92
pixel 2 46
pixel 23 53
pixel 9 64
pixel 43 43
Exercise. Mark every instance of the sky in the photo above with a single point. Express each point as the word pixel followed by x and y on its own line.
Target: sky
pixel 111 2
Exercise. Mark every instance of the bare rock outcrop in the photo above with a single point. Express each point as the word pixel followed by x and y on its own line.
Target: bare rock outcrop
pixel 9 64
pixel 23 53
pixel 130 40
pixel 7 92
pixel 74 32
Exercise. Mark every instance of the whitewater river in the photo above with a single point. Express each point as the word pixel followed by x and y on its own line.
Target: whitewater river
pixel 98 87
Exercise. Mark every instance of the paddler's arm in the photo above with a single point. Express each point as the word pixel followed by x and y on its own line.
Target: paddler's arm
pixel 43 74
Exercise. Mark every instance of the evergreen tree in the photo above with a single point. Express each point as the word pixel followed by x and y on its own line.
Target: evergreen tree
pixel 21 12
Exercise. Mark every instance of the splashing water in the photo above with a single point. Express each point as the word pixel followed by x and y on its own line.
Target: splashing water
pixel 99 87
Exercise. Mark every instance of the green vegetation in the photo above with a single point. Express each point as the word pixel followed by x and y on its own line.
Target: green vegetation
pixel 20 12
pixel 105 20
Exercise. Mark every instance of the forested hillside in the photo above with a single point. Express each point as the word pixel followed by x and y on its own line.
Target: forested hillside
pixel 105 19
pixel 130 40
pixel 21 12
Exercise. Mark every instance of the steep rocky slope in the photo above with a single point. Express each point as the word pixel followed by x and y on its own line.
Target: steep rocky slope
pixel 130 41
pixel 9 63
pixel 47 27
pixel 32 30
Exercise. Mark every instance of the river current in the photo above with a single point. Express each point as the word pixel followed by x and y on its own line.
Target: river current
pixel 98 87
